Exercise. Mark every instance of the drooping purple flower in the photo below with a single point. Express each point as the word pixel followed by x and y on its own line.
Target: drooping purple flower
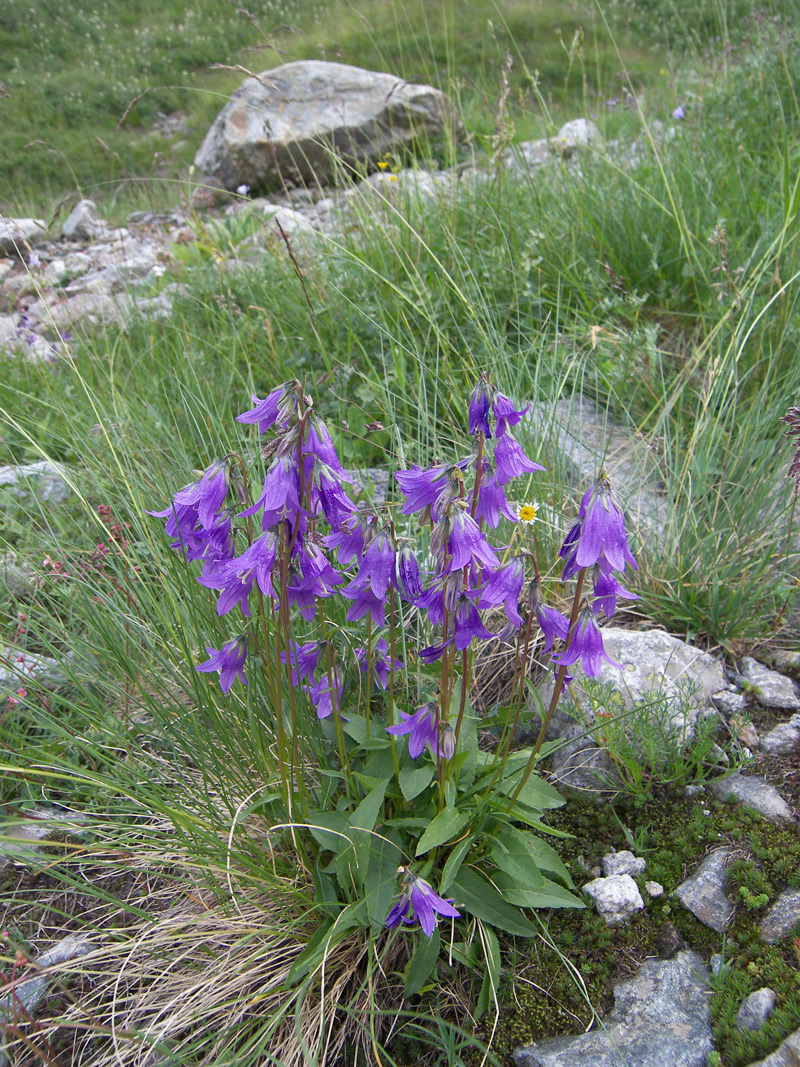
pixel 280 497
pixel 442 596
pixel 325 489
pixel 434 652
pixel 552 624
pixel 318 442
pixel 365 603
pixel 679 112
pixel 235 587
pixel 369 588
pixel 236 577
pixel 229 661
pixel 210 544
pixel 504 587
pixel 421 728
pixel 419 902
pixel 585 643
pixel 351 537
pixel 479 410
pixel 607 590
pixel 327 693
pixel 275 407
pixel 407 577
pixel 492 502
pixel 310 576
pixel 507 414
pixel 304 659
pixel 602 530
pixel 458 537
pixel 468 625
pixel 422 488
pixel 510 460
pixel 206 494
pixel 382 663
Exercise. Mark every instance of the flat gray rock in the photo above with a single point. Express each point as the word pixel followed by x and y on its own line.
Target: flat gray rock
pixel 782 740
pixel 755 793
pixel 661 1018
pixel 311 122
pixel 42 670
pixel 771 689
pixel 729 702
pixel 782 917
pixel 16 575
pixel 786 1055
pixel 30 993
pixel 705 893
pixel 651 664
pixel 43 480
pixel 18 235
pixel 580 440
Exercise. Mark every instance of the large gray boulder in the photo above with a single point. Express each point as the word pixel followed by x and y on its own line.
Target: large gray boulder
pixel 670 681
pixel 661 1018
pixel 309 120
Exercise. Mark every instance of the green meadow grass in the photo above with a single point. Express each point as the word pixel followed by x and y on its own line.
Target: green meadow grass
pixel 667 294
pixel 73 72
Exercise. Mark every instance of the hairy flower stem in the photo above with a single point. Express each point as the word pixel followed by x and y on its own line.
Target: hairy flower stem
pixel 283 630
pixel 337 718
pixel 442 707
pixel 273 679
pixel 478 475
pixel 368 701
pixel 391 678
pixel 465 674
pixel 557 691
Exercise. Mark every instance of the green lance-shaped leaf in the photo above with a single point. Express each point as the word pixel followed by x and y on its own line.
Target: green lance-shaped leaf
pixel 480 898
pixel 413 780
pixel 422 963
pixel 443 828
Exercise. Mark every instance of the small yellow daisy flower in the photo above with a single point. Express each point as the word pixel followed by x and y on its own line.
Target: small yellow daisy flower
pixel 382 165
pixel 392 177
pixel 527 513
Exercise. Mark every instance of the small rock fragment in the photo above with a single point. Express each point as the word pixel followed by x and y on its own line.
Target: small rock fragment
pixel 729 702
pixel 781 741
pixel 771 689
pixel 782 917
pixel 654 889
pixel 18 235
pixel 717 964
pixel 704 894
pixel 623 862
pixel 669 941
pixel 617 898
pixel 756 1009
pixel 83 222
